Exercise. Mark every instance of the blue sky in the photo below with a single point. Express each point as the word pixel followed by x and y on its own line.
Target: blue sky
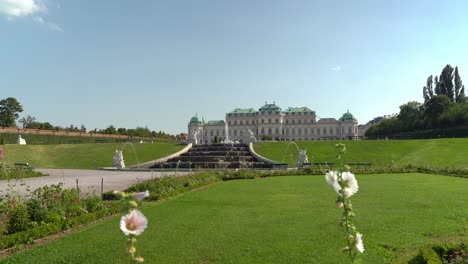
pixel 157 63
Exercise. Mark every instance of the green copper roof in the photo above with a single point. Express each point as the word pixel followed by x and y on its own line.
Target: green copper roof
pixel 347 117
pixel 243 111
pixel 269 107
pixel 304 110
pixel 195 119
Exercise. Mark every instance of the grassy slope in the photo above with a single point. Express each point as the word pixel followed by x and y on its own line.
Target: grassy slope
pixel 85 156
pixel 280 220
pixel 438 153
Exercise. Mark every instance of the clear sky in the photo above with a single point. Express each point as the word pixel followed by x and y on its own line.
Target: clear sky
pixel 157 63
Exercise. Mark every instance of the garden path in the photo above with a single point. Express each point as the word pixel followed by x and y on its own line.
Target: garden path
pixel 89 181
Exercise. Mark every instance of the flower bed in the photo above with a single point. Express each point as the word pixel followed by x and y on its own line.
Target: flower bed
pixel 48 210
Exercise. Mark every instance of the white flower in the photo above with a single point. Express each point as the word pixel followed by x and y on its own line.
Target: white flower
pixel 133 223
pixel 331 177
pixel 351 185
pixel 359 244
pixel 141 195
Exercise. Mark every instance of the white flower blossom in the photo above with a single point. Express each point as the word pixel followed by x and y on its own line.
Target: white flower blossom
pixel 359 244
pixel 141 195
pixel 331 177
pixel 351 185
pixel 133 223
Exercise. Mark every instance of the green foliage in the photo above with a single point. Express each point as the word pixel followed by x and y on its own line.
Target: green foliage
pixel 18 217
pixel 3 140
pixel 430 256
pixel 50 206
pixel 17 173
pixel 9 109
pixel 441 109
pixel 164 187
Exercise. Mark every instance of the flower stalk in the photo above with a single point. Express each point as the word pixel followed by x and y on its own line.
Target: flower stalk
pixel 134 222
pixel 345 185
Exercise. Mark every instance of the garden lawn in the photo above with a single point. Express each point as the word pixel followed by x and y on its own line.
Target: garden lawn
pixel 85 156
pixel 435 153
pixel 289 219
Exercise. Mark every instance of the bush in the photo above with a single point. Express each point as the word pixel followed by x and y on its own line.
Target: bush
pixel 18 218
pixel 169 186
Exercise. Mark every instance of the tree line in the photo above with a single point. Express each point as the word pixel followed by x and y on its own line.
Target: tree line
pixel 9 113
pixel 445 105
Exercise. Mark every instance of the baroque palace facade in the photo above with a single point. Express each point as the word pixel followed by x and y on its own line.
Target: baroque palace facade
pixel 270 121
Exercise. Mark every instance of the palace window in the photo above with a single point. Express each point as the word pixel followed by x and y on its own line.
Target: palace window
pixel 277 121
pixel 269 131
pixel 277 131
pixel 293 131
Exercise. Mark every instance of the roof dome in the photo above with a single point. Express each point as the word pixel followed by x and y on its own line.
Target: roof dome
pixel 195 119
pixel 347 117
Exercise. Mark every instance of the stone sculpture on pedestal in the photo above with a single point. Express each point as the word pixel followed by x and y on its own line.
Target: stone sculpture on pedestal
pixel 302 158
pixel 21 141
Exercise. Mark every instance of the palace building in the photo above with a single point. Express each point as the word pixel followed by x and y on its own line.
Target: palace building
pixel 272 123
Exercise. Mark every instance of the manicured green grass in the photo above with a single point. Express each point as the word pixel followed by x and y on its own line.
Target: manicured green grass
pixel 85 156
pixel 280 220
pixel 437 153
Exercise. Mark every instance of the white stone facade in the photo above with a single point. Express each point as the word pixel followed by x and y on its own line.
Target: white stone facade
pixel 271 122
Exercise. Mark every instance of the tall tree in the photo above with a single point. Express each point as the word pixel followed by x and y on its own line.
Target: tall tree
pixel 410 115
pixel 459 88
pixel 446 82
pixel 436 85
pixel 27 121
pixel 9 112
pixel 428 90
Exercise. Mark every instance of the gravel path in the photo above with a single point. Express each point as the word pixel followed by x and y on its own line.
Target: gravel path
pixel 89 181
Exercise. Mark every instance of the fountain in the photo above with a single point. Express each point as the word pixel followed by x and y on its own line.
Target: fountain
pixel 215 156
pixel 227 132
pixel 301 158
pixel 118 161
pixel 252 137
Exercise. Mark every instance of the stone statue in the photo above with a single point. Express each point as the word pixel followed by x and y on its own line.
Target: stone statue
pixel 21 140
pixel 118 160
pixel 195 137
pixel 252 137
pixel 302 158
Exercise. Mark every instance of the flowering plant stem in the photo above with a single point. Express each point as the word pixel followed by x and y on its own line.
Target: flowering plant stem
pixel 345 184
